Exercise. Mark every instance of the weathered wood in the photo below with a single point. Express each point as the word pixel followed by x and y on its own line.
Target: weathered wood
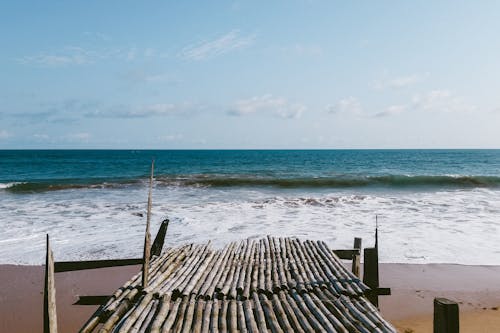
pixel 49 293
pixel 188 319
pixel 207 313
pixel 270 315
pixel 172 316
pixel 147 236
pixel 162 314
pixel 276 285
pixel 198 316
pixel 346 254
pixel 370 273
pixel 214 319
pixel 159 239
pixel 92 300
pixel 132 317
pixel 356 259
pixel 446 317
pixel 68 266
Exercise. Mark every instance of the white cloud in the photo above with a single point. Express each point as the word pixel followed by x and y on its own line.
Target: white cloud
pixel 224 44
pixel 76 55
pixel 41 137
pixel 79 137
pixel 277 106
pixel 308 50
pixel 144 111
pixel 441 101
pixel 141 76
pixel 4 134
pixel 346 105
pixel 400 82
pixel 170 137
pixel 391 110
pixel 70 55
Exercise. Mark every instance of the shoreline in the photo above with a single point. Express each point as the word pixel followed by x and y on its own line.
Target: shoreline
pixel 414 286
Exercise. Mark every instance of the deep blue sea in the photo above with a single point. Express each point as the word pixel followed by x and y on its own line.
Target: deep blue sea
pixel 432 205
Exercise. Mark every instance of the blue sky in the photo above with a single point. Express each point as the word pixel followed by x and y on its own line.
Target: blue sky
pixel 270 74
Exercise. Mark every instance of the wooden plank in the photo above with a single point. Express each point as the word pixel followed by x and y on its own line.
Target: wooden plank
pixel 347 254
pixel 92 300
pixel 49 294
pixel 69 266
pixel 356 259
pixel 446 319
pixel 159 239
pixel 147 236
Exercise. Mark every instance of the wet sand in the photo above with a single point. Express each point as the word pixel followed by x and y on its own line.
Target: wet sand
pixel 410 307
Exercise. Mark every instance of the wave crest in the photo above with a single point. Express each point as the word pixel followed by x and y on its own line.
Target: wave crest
pixel 228 181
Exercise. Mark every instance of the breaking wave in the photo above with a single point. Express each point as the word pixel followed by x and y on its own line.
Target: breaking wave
pixel 219 180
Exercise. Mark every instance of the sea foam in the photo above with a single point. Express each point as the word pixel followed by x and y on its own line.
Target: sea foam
pixel 450 226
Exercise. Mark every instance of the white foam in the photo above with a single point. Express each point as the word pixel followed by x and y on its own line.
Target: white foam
pixel 414 227
pixel 7 185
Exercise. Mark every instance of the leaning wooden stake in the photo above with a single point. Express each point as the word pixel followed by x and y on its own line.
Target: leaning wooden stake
pixel 159 239
pixel 147 237
pixel 49 294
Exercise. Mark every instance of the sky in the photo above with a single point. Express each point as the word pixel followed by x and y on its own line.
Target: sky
pixel 249 74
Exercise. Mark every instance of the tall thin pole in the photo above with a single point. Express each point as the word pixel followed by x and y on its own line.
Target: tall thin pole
pixel 147 237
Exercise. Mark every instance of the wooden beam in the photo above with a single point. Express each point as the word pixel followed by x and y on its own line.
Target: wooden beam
pixel 69 266
pixel 378 292
pixel 147 236
pixel 49 293
pixel 159 239
pixel 370 273
pixel 446 318
pixel 92 300
pixel 346 254
pixel 356 259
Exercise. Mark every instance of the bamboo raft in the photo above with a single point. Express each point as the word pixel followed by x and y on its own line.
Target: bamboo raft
pixel 266 285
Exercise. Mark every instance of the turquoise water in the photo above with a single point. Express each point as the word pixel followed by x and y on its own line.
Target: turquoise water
pixel 32 171
pixel 432 205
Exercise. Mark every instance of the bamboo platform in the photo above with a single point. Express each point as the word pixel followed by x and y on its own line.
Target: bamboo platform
pixel 266 285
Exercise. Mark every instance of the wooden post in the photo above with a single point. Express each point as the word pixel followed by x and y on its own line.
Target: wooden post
pixel 446 319
pixel 356 258
pixel 49 294
pixel 159 239
pixel 147 237
pixel 370 273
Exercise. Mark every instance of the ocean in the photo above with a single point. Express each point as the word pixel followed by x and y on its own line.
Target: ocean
pixel 432 206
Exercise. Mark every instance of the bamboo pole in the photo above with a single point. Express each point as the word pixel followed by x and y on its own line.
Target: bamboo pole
pixel 297 310
pixel 172 316
pixel 188 319
pixel 233 316
pixel 290 314
pixel 161 315
pixel 214 319
pixel 179 321
pixel 207 313
pixel 241 318
pixel 143 321
pixel 147 237
pixel 259 314
pixel 133 316
pixel 223 316
pixel 251 324
pixel 270 315
pixel 198 318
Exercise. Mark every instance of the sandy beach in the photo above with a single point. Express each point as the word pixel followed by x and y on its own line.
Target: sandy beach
pixel 409 308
